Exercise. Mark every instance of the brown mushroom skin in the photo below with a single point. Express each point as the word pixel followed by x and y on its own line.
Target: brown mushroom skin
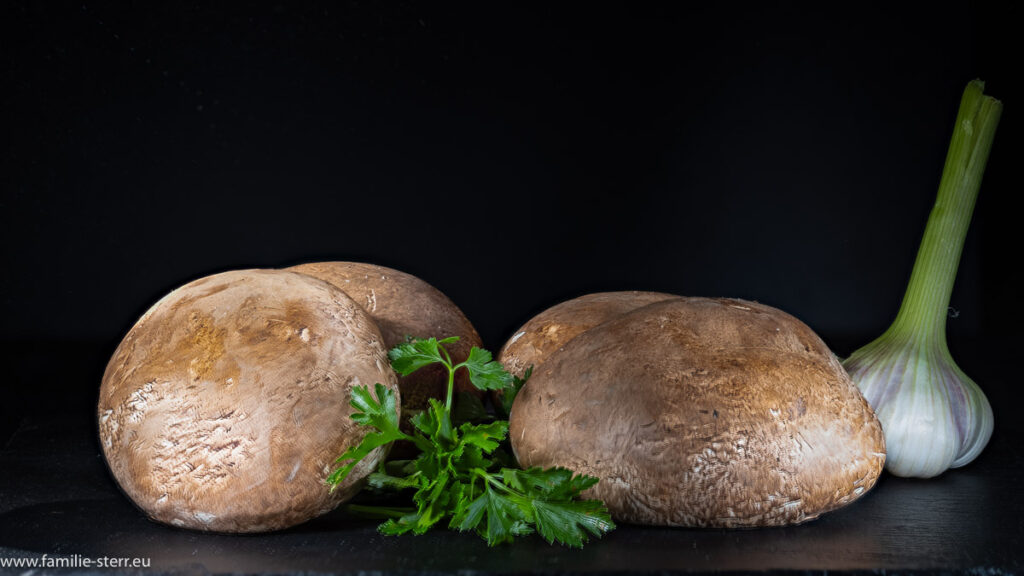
pixel 702 412
pixel 403 305
pixel 548 331
pixel 225 406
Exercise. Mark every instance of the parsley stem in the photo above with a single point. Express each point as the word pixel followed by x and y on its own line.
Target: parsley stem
pixel 493 480
pixel 451 388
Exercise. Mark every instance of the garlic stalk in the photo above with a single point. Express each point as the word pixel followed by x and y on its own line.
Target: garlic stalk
pixel 933 416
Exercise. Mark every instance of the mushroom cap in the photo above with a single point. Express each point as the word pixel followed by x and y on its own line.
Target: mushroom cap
pixel 702 412
pixel 548 331
pixel 403 305
pixel 225 406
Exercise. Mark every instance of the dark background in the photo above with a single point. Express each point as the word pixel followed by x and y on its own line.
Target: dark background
pixel 512 155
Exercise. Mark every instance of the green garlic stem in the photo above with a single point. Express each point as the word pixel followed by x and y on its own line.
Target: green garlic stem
pixel 926 302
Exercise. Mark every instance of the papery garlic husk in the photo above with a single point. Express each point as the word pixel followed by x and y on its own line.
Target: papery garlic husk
pixel 933 415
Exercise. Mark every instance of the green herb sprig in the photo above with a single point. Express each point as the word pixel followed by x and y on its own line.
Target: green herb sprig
pixel 456 476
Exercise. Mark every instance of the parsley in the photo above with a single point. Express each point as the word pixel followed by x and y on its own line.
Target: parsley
pixel 458 476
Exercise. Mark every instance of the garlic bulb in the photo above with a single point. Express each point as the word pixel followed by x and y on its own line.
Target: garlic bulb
pixel 933 416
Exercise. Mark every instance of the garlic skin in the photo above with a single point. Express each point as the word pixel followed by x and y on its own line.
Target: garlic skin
pixel 933 415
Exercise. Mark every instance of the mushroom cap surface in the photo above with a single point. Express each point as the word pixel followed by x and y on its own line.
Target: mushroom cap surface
pixel 702 412
pixel 225 406
pixel 551 329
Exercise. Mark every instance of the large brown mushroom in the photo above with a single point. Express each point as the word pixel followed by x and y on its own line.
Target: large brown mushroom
pixel 548 331
pixel 403 305
pixel 702 412
pixel 225 406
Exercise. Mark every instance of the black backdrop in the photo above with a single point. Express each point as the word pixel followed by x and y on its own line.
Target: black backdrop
pixel 512 155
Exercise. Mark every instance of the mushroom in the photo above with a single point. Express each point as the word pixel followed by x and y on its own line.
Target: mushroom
pixel 548 331
pixel 402 305
pixel 702 412
pixel 224 407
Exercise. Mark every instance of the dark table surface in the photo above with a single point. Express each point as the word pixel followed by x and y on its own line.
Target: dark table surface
pixel 57 498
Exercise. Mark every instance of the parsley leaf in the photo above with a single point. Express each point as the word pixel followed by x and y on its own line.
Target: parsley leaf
pixel 505 519
pixel 485 436
pixel 550 482
pixel 458 474
pixel 467 515
pixel 380 413
pixel 410 356
pixel 558 514
pixel 484 373
pixel 569 521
